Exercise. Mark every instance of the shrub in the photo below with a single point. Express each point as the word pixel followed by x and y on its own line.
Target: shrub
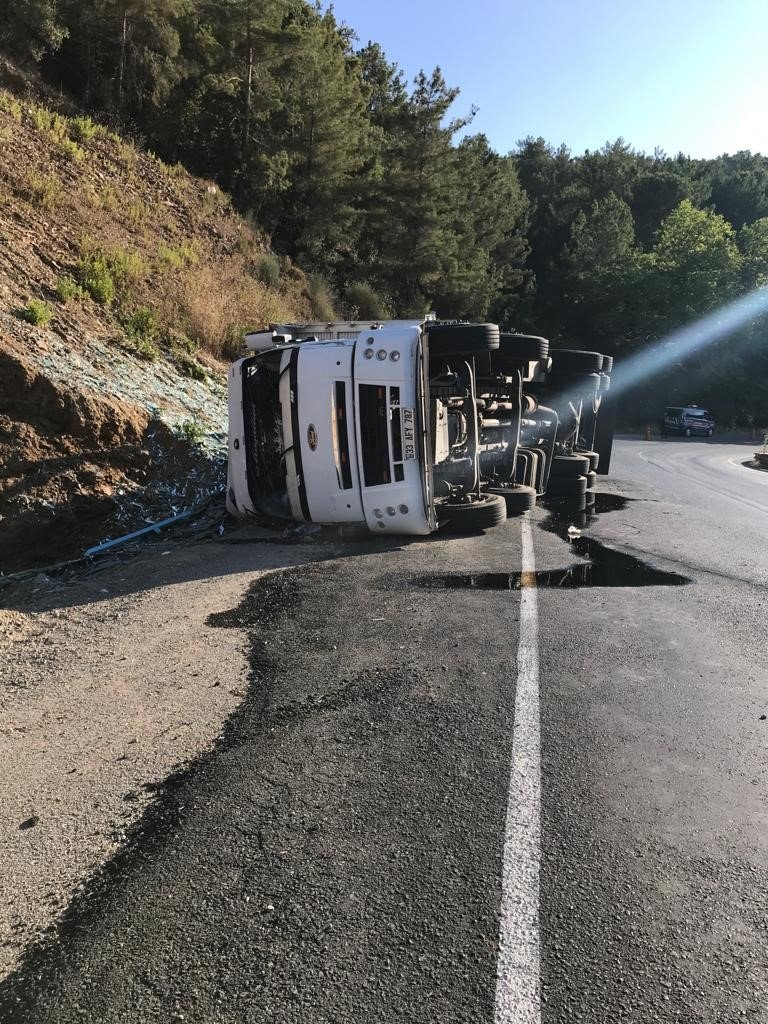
pixel 141 322
pixel 82 129
pixel 364 303
pixel 68 289
pixel 44 190
pixel 72 151
pixel 268 270
pixel 126 266
pixel 192 368
pixel 94 274
pixel 10 105
pixel 37 312
pixel 320 297
pixel 41 118
pixel 140 328
pixel 190 431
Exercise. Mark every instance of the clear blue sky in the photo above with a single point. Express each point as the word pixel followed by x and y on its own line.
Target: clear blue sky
pixel 683 75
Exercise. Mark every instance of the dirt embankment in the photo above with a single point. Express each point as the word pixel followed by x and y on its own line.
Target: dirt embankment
pixel 125 286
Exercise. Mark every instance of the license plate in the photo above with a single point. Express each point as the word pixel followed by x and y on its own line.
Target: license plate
pixel 408 419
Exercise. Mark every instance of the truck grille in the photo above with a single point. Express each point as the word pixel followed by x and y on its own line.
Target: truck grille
pixel 374 434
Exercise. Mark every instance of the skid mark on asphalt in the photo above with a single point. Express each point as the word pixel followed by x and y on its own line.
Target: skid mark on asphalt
pixel 518 986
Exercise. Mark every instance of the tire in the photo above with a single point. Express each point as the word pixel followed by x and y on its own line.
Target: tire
pixel 523 347
pixel 576 361
pixel 590 498
pixel 518 498
pixel 594 459
pixel 462 339
pixel 607 364
pixel 567 487
pixel 591 479
pixel 470 517
pixel 569 466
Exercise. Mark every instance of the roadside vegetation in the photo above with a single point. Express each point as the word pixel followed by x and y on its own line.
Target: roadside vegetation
pixel 146 254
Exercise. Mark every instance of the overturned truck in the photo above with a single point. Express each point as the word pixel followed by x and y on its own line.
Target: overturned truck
pixel 408 426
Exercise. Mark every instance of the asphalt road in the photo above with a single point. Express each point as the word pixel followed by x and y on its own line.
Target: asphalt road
pixel 340 855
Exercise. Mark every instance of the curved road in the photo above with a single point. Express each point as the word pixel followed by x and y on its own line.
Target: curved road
pixel 423 766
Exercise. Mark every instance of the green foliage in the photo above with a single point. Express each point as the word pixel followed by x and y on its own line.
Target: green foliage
pixel 753 243
pixel 83 129
pixel 182 344
pixel 267 270
pixel 191 431
pixel 697 262
pixel 95 276
pixel 37 312
pixel 67 290
pixel 72 151
pixel 192 368
pixel 10 105
pixel 320 297
pixel 141 330
pixel 33 28
pixel 363 303
pixel 176 257
pixel 44 190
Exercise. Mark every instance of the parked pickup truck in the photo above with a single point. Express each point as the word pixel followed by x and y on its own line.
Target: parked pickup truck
pixel 402 425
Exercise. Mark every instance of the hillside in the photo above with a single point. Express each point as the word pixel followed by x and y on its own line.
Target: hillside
pixel 125 285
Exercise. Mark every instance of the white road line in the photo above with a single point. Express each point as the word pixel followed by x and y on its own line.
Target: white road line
pixel 518 986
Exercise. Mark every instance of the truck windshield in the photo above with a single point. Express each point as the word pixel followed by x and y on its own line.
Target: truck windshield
pixel 265 463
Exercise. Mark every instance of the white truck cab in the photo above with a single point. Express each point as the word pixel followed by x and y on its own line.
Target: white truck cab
pixel 328 424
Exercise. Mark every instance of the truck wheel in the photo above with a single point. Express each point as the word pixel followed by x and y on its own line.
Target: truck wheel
pixel 569 466
pixel 591 479
pixel 518 498
pixel 567 486
pixel 462 339
pixel 594 459
pixel 483 513
pixel 515 350
pixel 571 359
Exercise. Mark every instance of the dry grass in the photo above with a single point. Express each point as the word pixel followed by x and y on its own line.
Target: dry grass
pixel 167 242
pixel 217 304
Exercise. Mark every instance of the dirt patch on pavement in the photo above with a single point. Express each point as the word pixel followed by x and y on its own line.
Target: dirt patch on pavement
pixel 108 684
